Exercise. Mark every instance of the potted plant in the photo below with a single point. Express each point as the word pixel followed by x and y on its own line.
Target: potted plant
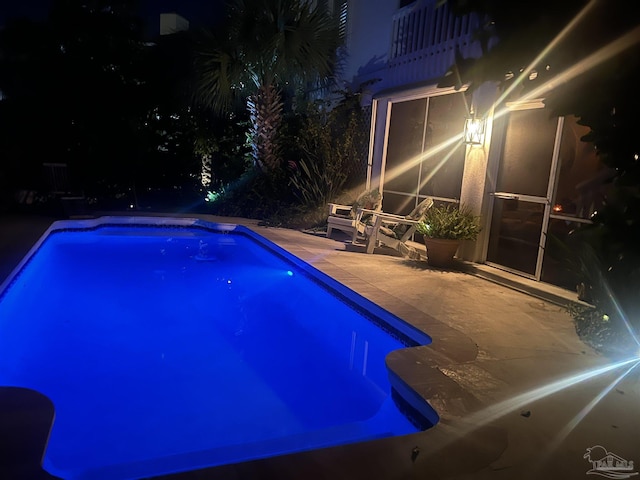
pixel 443 228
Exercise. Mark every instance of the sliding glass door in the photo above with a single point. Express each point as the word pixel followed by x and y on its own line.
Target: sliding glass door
pixel 522 196
pixel 549 182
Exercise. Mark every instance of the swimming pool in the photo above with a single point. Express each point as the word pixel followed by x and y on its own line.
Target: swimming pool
pixel 172 344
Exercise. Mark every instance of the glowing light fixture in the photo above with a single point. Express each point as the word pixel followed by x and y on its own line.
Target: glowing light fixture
pixel 473 130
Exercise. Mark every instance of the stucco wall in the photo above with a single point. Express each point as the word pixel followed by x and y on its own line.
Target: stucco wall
pixel 479 174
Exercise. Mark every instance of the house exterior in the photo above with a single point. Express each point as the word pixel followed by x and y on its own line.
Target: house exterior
pixel 531 179
pixel 172 23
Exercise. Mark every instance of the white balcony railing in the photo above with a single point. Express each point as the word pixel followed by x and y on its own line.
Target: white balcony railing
pixel 424 39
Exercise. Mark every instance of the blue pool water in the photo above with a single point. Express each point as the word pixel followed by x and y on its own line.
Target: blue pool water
pixel 173 347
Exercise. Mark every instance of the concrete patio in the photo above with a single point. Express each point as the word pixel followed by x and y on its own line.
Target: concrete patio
pixel 497 373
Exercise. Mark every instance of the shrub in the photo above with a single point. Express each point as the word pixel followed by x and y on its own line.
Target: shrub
pixel 331 145
pixel 450 222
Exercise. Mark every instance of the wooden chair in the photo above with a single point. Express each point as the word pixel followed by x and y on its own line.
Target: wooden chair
pixel 394 231
pixel 352 218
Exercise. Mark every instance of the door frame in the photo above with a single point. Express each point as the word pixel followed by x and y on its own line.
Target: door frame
pixel 493 169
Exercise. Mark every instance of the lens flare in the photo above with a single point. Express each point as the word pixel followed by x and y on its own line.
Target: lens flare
pixel 501 409
pixel 528 70
pixel 453 142
pixel 573 423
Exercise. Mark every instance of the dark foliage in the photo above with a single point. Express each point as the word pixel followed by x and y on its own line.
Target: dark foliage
pixel 328 149
pixel 323 148
pixel 84 88
pixel 267 49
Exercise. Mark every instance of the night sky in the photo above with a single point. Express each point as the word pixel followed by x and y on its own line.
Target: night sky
pixel 198 12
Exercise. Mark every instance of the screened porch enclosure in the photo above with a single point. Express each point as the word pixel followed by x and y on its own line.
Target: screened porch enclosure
pixel 424 153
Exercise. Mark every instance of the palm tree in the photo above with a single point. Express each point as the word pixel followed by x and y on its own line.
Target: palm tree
pixel 266 46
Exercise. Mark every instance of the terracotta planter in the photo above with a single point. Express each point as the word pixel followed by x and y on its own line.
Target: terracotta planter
pixel 440 251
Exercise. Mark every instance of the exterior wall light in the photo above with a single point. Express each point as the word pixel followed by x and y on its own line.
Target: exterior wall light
pixel 473 131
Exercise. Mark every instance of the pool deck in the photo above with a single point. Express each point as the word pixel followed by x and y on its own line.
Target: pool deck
pixel 498 373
